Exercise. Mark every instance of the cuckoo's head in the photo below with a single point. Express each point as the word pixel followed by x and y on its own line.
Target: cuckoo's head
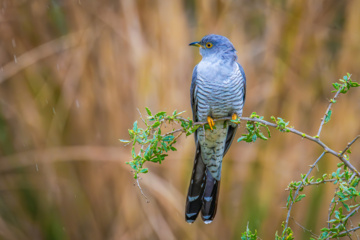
pixel 216 46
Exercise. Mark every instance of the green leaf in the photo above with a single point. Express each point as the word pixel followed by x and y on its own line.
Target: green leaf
pixel 124 141
pixel 133 154
pixel 254 137
pixel 156 124
pixel 160 114
pixel 168 138
pixel 301 196
pixel 354 84
pixel 346 206
pixel 261 136
pixel 135 128
pixel 148 111
pixel 241 138
pixel 144 170
pixel 328 116
pixel 340 164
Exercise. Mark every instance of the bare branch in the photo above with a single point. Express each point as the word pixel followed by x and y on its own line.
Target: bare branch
pixel 349 145
pixel 142 193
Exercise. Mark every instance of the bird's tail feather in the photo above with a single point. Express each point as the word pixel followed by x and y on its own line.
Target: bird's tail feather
pixel 196 189
pixel 210 198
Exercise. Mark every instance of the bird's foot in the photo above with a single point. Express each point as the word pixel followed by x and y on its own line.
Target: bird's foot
pixel 210 122
pixel 234 116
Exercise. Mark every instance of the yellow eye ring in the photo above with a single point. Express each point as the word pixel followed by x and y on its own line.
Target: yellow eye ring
pixel 208 45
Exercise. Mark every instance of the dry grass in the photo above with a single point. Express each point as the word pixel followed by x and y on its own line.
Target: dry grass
pixel 72 74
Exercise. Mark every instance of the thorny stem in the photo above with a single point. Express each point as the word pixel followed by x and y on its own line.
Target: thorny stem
pixel 297 191
pixel 327 111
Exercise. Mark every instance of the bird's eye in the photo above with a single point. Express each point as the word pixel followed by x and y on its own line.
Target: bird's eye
pixel 208 45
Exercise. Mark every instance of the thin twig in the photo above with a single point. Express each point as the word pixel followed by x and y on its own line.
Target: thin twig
pixel 346 218
pixel 352 212
pixel 330 207
pixel 349 231
pixel 305 229
pixel 349 145
pixel 314 183
pixel 142 193
pixel 297 191
pixel 327 111
pixel 174 131
pixel 351 178
pixel 141 117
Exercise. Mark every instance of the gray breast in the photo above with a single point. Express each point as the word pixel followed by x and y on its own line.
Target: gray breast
pixel 220 96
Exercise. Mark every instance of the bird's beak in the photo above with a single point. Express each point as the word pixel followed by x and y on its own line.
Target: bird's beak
pixel 196 44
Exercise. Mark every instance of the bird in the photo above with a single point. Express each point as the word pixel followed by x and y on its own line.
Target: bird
pixel 218 90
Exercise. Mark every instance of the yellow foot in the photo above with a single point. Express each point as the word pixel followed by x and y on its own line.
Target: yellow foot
pixel 211 122
pixel 234 116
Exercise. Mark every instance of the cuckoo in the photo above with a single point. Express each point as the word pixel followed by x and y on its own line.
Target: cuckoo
pixel 217 90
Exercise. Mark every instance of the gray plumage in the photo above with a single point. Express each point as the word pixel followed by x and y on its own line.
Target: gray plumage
pixel 217 90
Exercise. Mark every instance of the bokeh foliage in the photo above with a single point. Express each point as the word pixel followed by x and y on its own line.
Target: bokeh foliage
pixel 73 74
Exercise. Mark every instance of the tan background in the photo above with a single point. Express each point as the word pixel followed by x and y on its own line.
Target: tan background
pixel 73 73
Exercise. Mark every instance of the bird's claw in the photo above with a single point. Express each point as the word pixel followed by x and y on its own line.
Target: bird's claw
pixel 210 122
pixel 234 116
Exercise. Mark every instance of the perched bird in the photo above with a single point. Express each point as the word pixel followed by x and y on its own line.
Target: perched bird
pixel 217 90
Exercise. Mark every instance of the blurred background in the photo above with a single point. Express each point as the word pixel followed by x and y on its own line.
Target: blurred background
pixel 73 73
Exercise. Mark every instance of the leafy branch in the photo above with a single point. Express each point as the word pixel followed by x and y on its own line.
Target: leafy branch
pixel 152 144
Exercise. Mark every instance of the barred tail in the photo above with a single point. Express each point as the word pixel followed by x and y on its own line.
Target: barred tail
pixel 194 200
pixel 210 198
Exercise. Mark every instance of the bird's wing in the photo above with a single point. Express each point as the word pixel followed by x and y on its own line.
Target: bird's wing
pixel 196 188
pixel 244 77
pixel 193 99
pixel 232 130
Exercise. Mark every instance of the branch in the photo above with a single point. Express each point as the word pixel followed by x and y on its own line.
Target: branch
pixel 314 183
pixel 305 229
pixel 348 231
pixel 303 135
pixel 327 111
pixel 352 212
pixel 349 145
pixel 297 191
